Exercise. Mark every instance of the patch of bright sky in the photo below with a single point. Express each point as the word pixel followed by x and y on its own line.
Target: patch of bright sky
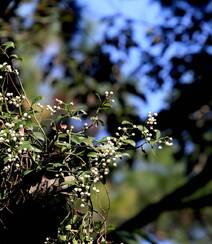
pixel 136 10
pixel 145 13
pixel 94 11
pixel 26 11
pixel 129 8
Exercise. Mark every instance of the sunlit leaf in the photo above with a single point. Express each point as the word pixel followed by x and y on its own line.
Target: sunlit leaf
pixel 8 44
pixel 125 122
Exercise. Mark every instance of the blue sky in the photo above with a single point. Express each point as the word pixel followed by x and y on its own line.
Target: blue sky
pixel 147 13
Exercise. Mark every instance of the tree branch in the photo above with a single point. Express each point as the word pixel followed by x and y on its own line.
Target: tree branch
pixel 198 203
pixel 172 201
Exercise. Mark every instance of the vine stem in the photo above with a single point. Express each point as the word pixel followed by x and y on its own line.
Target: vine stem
pixel 37 121
pixel 24 93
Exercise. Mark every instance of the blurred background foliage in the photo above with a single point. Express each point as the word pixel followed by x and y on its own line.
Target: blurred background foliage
pixel 161 61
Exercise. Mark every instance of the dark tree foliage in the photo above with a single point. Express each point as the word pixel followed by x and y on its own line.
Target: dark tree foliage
pixel 188 116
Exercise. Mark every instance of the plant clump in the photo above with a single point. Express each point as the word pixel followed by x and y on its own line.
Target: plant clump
pixel 58 159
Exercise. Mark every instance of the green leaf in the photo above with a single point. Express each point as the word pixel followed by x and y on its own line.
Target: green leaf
pixel 88 141
pixel 111 227
pixel 92 154
pixel 68 227
pixel 75 117
pixel 14 56
pixel 103 139
pixel 106 105
pixel 27 171
pixel 75 241
pixel 39 135
pixel 77 139
pixel 55 165
pixel 27 145
pixel 69 180
pixel 127 155
pixel 141 128
pixel 125 122
pixel 63 237
pixel 9 44
pixel 74 219
pixel 80 110
pixel 131 142
pixel 101 122
pixel 98 97
pixel 35 149
pixel 81 139
pixel 36 99
pixel 157 134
